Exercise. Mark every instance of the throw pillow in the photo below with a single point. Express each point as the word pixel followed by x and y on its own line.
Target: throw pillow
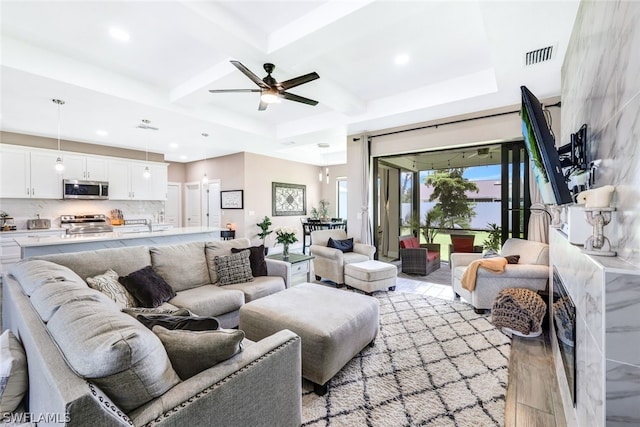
pixel 192 352
pixel 13 372
pixel 148 288
pixel 512 259
pixel 234 268
pixel 345 245
pixel 256 259
pixel 134 311
pixel 179 322
pixel 490 253
pixel 108 284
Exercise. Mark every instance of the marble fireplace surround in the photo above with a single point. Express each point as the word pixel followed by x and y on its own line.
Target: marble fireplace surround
pixel 607 297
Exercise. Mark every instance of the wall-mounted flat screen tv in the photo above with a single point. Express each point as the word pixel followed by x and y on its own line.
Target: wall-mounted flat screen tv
pixel 543 154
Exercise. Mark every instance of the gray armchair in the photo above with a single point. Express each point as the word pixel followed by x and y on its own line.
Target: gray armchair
pixel 531 272
pixel 328 263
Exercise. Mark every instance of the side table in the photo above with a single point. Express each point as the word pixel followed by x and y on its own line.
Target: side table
pixel 300 267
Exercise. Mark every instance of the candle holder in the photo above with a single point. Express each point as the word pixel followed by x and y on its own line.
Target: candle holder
pixel 598 243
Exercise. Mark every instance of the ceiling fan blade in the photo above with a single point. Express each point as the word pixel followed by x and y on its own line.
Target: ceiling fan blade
pixel 250 74
pixel 233 90
pixel 292 97
pixel 262 106
pixel 297 81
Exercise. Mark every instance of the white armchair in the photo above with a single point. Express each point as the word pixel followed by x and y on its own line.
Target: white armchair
pixel 328 263
pixel 531 272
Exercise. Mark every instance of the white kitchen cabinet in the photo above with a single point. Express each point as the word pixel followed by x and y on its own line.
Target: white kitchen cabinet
pixel 29 173
pixel 10 252
pixel 127 181
pixel 91 168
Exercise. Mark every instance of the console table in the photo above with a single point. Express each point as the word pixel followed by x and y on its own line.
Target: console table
pixel 300 267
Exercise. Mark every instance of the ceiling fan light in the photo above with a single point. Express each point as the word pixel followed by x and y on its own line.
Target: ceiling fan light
pixel 270 97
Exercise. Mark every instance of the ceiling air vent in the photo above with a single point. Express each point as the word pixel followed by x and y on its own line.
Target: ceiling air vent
pixel 538 55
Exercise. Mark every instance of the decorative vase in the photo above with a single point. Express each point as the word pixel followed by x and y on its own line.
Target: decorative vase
pixel 285 251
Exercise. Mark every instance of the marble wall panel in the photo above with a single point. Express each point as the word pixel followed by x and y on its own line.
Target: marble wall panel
pixel 622 304
pixel 623 395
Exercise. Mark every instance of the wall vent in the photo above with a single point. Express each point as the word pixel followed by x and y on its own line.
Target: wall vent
pixel 538 55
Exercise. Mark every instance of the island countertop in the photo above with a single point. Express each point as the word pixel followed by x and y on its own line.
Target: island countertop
pixel 61 243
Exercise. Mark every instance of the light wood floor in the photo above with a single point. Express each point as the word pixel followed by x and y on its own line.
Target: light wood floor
pixel 533 395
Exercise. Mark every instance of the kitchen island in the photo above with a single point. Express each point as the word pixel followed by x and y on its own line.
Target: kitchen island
pixel 34 245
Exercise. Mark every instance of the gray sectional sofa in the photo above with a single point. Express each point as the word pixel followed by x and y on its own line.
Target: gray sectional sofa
pixel 92 364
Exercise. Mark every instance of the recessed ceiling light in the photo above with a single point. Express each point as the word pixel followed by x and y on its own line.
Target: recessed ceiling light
pixel 174 145
pixel 401 59
pixel 183 157
pixel 119 34
pixel 101 132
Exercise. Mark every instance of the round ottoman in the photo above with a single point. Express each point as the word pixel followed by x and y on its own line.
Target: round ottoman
pixel 519 311
pixel 370 276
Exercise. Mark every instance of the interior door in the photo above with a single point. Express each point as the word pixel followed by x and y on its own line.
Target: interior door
pixel 173 206
pixel 193 210
pixel 211 204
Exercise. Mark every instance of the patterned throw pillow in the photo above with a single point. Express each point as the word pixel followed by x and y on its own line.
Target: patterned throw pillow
pixel 108 284
pixel 234 268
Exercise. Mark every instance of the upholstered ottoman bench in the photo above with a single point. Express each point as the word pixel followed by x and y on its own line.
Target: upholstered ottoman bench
pixel 334 325
pixel 369 276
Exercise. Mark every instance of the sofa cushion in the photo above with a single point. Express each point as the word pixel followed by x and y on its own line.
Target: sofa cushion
pixel 462 243
pixel 209 300
pixel 530 252
pixel 256 259
pixel 13 372
pixel 183 266
pixel 123 260
pixel 168 321
pixel 34 273
pixel 350 257
pixel 221 248
pixel 192 352
pixel 48 298
pixel 148 287
pixel 125 359
pixel 259 287
pixel 345 245
pixel 410 242
pixel 234 268
pixel 108 284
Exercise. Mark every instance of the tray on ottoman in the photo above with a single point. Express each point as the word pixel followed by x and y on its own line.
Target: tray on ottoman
pixel 369 276
pixel 334 325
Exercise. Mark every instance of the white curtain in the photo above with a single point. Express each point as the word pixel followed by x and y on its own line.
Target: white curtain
pixel 365 231
pixel 538 220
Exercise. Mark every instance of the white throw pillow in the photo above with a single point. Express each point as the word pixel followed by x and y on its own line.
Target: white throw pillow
pixel 108 284
pixel 13 372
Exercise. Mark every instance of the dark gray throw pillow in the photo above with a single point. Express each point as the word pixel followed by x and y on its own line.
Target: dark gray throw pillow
pixel 134 311
pixel 256 259
pixel 191 352
pixel 147 287
pixel 512 259
pixel 345 245
pixel 189 323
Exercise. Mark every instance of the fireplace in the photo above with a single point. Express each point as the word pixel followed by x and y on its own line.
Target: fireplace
pixel 564 322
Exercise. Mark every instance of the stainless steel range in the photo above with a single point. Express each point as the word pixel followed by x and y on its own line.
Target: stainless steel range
pixel 84 224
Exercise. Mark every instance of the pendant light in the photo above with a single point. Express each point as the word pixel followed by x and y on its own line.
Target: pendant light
pixel 146 173
pixel 205 180
pixel 323 146
pixel 59 164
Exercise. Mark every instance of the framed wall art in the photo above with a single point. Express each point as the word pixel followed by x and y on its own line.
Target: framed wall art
pixel 288 199
pixel 231 199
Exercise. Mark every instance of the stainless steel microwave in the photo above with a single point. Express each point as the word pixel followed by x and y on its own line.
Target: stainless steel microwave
pixel 78 189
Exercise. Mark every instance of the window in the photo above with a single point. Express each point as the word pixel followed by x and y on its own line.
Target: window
pixel 341 184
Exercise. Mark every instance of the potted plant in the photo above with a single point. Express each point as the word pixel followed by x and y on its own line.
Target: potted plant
pixel 494 239
pixel 322 212
pixel 264 231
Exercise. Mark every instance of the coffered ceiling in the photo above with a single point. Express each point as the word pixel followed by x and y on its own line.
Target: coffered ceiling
pixel 462 56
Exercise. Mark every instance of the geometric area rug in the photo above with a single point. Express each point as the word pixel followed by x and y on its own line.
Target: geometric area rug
pixel 434 363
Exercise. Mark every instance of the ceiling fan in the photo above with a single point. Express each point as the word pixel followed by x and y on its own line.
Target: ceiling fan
pixel 271 90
